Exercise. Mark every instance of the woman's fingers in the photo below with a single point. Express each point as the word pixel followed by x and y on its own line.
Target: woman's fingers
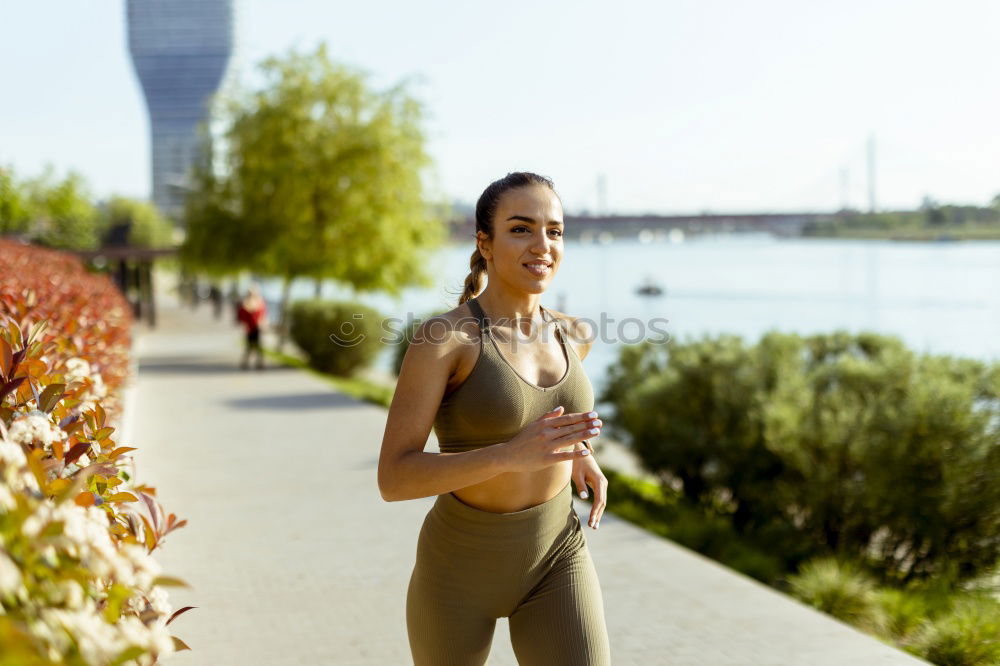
pixel 576 433
pixel 570 455
pixel 600 501
pixel 581 483
pixel 561 420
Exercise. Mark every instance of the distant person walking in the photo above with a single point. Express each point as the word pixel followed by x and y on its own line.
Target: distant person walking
pixel 252 313
pixel 215 295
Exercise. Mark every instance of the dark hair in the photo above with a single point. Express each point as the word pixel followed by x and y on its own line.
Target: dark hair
pixel 486 208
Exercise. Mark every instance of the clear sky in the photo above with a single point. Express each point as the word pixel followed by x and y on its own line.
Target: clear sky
pixel 684 105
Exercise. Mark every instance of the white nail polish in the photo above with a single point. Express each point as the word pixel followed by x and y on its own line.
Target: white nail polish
pixel 583 494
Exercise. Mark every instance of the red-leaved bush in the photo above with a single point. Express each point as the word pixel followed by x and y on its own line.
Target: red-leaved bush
pixel 77 582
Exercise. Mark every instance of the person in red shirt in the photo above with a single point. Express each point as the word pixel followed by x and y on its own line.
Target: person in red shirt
pixel 252 313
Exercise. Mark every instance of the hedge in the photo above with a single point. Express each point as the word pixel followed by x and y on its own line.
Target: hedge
pixel 78 583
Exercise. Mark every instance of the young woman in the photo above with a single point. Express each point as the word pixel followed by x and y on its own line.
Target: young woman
pixel 512 416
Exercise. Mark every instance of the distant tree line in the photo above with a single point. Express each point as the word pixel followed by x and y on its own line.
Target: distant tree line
pixel 930 220
pixel 62 213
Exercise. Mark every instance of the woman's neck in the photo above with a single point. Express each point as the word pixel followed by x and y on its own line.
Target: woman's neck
pixel 511 308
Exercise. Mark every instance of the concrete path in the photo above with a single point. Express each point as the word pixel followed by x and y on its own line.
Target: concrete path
pixel 294 558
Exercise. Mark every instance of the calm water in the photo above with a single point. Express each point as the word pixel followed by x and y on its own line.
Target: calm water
pixel 938 297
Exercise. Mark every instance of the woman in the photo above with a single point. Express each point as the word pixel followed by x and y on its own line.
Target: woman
pixel 252 313
pixel 512 419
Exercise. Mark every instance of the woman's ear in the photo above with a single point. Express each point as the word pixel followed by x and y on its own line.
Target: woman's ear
pixel 484 245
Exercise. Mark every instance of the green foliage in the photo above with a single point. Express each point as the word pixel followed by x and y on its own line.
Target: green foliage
pixel 144 225
pixel 931 619
pixel 666 513
pixel 900 613
pixel 929 222
pixel 60 214
pixel 336 337
pixel 321 178
pixel 214 241
pixel 967 635
pixel 848 444
pixel 15 207
pixel 48 211
pixel 839 588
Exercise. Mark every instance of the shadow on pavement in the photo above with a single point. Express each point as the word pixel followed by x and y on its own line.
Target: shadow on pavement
pixel 302 401
pixel 193 365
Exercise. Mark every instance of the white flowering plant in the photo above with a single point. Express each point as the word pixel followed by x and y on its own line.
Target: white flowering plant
pixel 78 582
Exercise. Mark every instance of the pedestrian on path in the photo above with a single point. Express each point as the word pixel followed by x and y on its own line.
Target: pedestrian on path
pixel 215 295
pixel 252 313
pixel 512 416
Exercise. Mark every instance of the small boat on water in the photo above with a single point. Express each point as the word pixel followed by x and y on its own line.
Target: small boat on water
pixel 649 287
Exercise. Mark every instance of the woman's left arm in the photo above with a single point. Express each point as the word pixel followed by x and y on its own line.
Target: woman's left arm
pixel 586 472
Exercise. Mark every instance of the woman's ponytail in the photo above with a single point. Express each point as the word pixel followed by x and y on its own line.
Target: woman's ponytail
pixel 474 282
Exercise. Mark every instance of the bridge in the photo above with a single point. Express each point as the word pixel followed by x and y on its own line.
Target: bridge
pixel 651 227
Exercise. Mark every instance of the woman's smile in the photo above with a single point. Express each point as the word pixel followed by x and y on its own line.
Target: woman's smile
pixel 539 268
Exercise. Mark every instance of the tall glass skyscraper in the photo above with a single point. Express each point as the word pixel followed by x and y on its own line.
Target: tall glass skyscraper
pixel 181 50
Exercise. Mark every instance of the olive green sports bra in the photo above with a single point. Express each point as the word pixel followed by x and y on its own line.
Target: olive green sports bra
pixel 495 403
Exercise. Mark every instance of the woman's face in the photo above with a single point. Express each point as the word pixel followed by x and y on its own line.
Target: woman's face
pixel 527 243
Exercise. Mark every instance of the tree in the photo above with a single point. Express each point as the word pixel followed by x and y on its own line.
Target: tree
pixel 321 178
pixel 15 206
pixel 47 211
pixel 136 223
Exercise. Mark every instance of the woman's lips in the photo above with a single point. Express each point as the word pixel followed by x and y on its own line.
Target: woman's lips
pixel 538 270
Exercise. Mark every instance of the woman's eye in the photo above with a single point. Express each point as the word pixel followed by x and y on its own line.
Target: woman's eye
pixel 558 231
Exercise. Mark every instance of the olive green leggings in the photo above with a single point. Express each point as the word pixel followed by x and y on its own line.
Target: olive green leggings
pixel 531 566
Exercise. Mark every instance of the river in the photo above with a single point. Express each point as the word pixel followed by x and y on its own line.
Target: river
pixel 938 297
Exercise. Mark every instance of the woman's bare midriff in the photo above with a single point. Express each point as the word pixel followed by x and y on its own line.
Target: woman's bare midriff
pixel 515 491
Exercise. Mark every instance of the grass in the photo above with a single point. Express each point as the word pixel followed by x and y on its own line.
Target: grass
pixel 360 387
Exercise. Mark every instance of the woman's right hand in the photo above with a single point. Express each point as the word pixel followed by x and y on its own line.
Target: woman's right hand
pixel 537 446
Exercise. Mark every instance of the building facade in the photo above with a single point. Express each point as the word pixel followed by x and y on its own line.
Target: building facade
pixel 182 51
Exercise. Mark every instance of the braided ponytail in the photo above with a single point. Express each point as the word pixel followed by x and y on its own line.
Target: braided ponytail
pixel 486 208
pixel 474 282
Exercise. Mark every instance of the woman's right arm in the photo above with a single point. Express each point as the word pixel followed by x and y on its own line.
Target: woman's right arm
pixel 405 470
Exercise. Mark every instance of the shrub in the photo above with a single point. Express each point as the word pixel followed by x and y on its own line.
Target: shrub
pixel 77 581
pixel 663 512
pixel 838 588
pixel 336 337
pixel 968 635
pixel 855 443
pixel 899 613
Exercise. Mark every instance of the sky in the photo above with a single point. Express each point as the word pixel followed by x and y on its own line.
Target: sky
pixel 684 106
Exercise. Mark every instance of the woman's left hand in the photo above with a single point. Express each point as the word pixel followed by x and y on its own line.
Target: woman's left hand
pixel 586 472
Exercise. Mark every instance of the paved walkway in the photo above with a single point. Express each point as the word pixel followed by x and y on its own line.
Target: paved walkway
pixel 294 557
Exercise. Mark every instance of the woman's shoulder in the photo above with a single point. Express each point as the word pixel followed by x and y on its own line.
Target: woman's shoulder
pixel 580 331
pixel 451 330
